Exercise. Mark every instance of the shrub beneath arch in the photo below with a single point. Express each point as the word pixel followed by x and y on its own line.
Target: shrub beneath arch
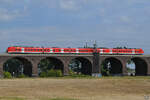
pixel 7 75
pixel 43 74
pixel 21 76
pixel 58 73
pixel 51 73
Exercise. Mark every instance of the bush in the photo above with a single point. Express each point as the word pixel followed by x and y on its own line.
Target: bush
pixel 71 73
pixel 51 73
pixel 58 73
pixel 81 75
pixel 43 74
pixel 21 76
pixel 7 75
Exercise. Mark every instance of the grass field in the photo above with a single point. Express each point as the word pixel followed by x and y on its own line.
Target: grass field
pixel 108 88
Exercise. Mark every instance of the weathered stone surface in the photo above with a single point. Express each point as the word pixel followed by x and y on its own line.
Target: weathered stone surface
pixel 96 61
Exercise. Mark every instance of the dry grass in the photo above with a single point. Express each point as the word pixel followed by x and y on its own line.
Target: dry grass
pixel 75 89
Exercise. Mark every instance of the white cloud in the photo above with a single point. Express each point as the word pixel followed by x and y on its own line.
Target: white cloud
pixel 6 15
pixel 125 19
pixel 6 1
pixel 69 5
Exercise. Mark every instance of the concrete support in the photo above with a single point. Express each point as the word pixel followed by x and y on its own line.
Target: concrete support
pixel 124 61
pixel 148 67
pixel 35 63
pixel 35 69
pixel 66 67
pixel 1 69
pixel 124 69
pixel 96 70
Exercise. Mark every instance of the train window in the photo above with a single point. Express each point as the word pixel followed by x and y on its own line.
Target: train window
pixel 114 50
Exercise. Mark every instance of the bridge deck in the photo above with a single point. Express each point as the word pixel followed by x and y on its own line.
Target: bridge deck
pixel 6 54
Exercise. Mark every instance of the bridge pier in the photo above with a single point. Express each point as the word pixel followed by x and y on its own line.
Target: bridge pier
pixel 35 61
pixel 1 69
pixel 148 69
pixel 96 69
pixel 66 67
pixel 124 61
pixel 35 69
pixel 124 69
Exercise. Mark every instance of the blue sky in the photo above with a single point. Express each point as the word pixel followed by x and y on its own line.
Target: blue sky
pixel 71 23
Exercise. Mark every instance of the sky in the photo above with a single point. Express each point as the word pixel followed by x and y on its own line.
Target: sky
pixel 73 23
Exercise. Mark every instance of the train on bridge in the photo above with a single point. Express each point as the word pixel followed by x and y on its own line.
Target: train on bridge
pixel 31 50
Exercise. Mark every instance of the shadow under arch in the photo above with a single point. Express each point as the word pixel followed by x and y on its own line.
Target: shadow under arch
pixel 81 65
pixel 111 67
pixel 17 66
pixel 141 66
pixel 49 63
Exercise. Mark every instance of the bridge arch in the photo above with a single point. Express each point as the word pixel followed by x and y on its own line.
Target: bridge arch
pixel 17 66
pixel 81 65
pixel 111 66
pixel 140 66
pixel 50 63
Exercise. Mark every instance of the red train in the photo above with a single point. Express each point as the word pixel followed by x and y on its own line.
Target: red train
pixel 23 50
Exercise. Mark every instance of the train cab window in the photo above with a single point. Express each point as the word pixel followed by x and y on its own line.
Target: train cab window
pixel 66 50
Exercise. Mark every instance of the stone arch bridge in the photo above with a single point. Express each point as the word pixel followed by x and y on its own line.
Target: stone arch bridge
pixel 91 62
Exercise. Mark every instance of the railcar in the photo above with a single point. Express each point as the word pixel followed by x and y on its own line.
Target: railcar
pixel 31 50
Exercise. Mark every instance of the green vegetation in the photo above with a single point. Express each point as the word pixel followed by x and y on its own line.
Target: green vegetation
pixel 22 76
pixel 7 75
pixel 14 67
pixel 51 73
pixel 10 98
pixel 43 74
pixel 62 99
